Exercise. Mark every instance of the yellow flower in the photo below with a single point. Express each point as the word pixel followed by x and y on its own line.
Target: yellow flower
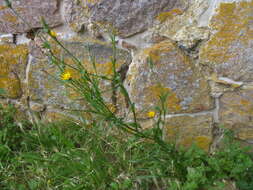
pixel 66 75
pixel 52 33
pixel 151 114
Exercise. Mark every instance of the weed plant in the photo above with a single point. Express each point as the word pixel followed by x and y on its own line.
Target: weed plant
pixel 68 156
pixel 80 156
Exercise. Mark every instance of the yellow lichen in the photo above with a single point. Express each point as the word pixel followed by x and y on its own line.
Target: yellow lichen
pixel 12 55
pixel 247 107
pixel 11 86
pixel 102 67
pixel 203 142
pixel 169 15
pixel 51 116
pixel 154 92
pixel 156 50
pixel 92 1
pixel 2 7
pixel 10 18
pixel 12 60
pixel 232 24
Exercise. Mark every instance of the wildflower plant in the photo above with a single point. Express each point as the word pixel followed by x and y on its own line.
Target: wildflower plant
pixel 87 84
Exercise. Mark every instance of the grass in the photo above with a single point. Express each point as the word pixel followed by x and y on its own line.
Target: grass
pixel 67 156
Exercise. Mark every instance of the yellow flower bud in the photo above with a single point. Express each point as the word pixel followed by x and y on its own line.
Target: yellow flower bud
pixel 66 75
pixel 151 114
pixel 52 33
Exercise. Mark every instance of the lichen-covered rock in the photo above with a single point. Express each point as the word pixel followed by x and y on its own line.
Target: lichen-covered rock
pixel 190 36
pixel 13 60
pixel 36 107
pixel 31 11
pixel 236 113
pixel 54 116
pixel 183 25
pixel 131 17
pixel 172 72
pixel 76 13
pixel 185 130
pixel 43 87
pixel 229 50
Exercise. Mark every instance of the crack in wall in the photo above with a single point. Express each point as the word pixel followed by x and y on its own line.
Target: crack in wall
pixel 216 111
pixel 190 114
pixel 28 66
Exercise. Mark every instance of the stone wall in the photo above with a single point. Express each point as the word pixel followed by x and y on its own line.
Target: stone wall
pixel 202 54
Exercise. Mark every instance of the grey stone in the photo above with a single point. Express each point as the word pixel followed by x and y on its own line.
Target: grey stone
pixel 131 17
pixel 31 11
pixel 229 50
pixel 236 113
pixel 75 14
pixel 54 93
pixel 173 73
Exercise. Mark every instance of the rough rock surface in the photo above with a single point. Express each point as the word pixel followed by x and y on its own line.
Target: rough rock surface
pixel 131 17
pixel 13 60
pixel 31 11
pixel 55 94
pixel 172 72
pixel 236 112
pixel 230 49
pixel 183 130
pixel 76 13
pixel 183 25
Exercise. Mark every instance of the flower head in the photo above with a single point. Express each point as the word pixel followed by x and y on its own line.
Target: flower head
pixel 66 75
pixel 52 34
pixel 151 114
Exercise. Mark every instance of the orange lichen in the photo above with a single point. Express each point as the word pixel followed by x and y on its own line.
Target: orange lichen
pixel 186 137
pixel 232 24
pixel 156 50
pixel 247 107
pixel 10 18
pixel 11 85
pixel 56 116
pixel 11 59
pixel 103 68
pixel 92 1
pixel 12 55
pixel 3 7
pixel 172 132
pixel 203 142
pixel 169 15
pixel 245 102
pixel 153 93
